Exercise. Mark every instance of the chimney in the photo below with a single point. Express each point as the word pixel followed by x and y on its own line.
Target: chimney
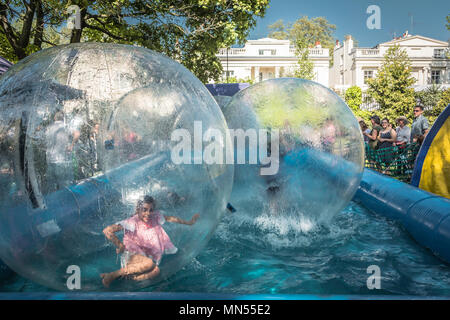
pixel 317 44
pixel 338 45
pixel 348 42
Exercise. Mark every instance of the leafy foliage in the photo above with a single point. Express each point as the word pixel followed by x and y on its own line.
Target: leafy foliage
pixel 305 68
pixel 236 80
pixel 443 102
pixel 305 32
pixel 391 87
pixel 430 98
pixel 353 98
pixel 190 31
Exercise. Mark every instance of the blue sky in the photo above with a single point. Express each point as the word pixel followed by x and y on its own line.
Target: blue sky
pixel 350 17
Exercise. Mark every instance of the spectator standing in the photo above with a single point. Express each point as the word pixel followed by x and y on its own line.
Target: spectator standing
pixel 373 135
pixel 364 129
pixel 403 131
pixel 420 126
pixel 387 135
pixel 386 139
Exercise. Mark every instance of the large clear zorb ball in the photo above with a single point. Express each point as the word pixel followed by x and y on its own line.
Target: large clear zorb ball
pixel 307 161
pixel 222 101
pixel 86 131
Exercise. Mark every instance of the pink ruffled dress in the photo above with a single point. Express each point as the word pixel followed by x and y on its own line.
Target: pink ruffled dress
pixel 147 239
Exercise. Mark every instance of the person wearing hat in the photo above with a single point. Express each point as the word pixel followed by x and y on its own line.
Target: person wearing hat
pixel 403 131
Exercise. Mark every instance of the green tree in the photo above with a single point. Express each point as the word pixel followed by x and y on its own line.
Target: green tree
pixel 305 67
pixel 305 31
pixel 190 31
pixel 391 88
pixel 5 50
pixel 353 98
pixel 443 102
pixel 430 98
pixel 240 80
pixel 278 30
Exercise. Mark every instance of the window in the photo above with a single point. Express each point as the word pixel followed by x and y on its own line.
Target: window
pixel 438 53
pixel 266 52
pixel 436 76
pixel 228 74
pixel 368 74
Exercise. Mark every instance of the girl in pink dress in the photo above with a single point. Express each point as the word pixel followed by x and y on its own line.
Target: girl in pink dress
pixel 144 242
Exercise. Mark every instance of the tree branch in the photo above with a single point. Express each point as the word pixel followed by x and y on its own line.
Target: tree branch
pixel 89 26
pixel 9 32
pixel 39 31
pixel 24 39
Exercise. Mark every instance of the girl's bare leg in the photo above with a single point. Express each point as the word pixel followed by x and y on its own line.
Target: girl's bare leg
pixel 138 264
pixel 147 275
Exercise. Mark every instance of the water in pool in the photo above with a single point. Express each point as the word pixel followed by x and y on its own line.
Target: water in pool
pixel 266 256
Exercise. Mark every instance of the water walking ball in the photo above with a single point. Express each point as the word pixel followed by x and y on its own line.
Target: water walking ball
pixel 222 101
pixel 308 159
pixel 86 131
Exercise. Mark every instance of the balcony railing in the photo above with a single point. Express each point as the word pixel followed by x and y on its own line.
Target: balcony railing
pixel 232 51
pixel 315 52
pixel 312 52
pixel 367 52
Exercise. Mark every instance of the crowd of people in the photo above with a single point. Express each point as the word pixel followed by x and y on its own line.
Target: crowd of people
pixel 382 135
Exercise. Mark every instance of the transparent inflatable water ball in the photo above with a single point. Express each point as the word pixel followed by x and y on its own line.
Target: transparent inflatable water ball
pixel 222 101
pixel 86 134
pixel 315 153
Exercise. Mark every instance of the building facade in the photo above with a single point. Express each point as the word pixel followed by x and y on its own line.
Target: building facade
pixel 270 58
pixel 354 65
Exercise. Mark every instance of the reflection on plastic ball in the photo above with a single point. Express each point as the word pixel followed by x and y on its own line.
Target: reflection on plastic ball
pixel 222 101
pixel 85 133
pixel 320 152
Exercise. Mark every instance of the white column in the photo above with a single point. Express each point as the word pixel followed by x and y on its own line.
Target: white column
pixel 359 78
pixel 256 74
pixel 277 72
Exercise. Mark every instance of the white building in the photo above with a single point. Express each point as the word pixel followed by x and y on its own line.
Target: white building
pixel 271 58
pixel 353 66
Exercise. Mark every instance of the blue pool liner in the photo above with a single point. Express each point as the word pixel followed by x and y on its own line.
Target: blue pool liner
pixel 196 296
pixel 424 215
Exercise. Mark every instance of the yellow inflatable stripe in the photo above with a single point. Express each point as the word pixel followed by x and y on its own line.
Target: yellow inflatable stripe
pixel 435 175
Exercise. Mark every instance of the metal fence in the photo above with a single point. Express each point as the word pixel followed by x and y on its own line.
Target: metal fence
pixel 368 103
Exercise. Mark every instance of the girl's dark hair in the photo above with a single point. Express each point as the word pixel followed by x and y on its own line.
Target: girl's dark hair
pixel 363 125
pixel 376 119
pixel 147 199
pixel 386 120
